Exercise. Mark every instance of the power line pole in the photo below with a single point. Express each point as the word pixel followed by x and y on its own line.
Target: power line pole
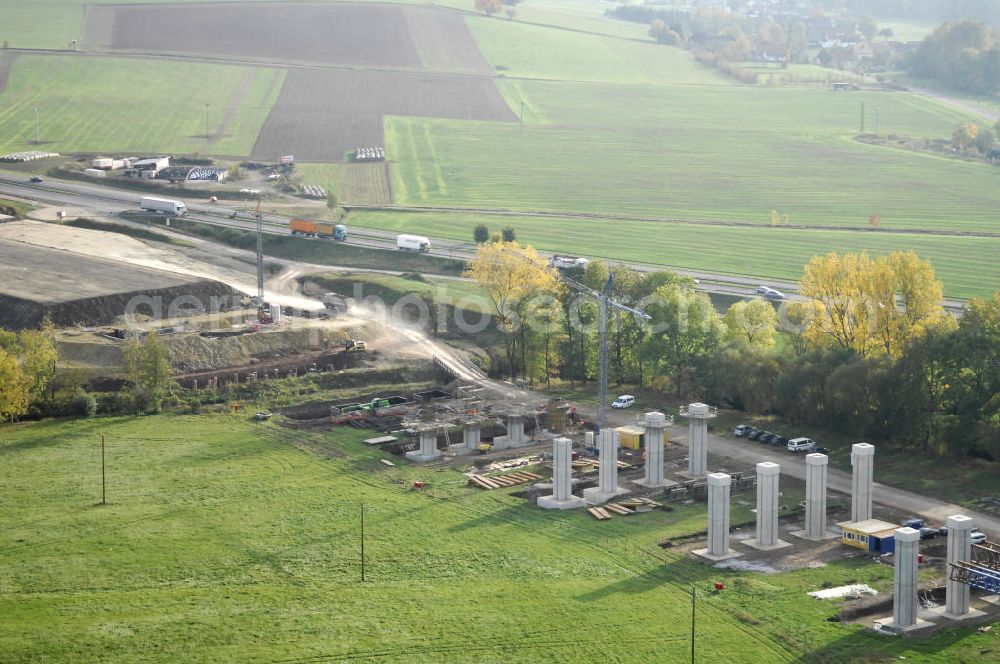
pixel 862 117
pixel 208 132
pixel 38 140
pixel 362 542
pixel 692 624
pixel 522 118
pixel 104 494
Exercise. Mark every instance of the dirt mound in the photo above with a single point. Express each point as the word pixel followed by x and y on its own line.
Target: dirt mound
pixel 18 313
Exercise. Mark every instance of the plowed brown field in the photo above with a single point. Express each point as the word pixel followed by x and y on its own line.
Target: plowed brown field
pixel 322 114
pixel 373 35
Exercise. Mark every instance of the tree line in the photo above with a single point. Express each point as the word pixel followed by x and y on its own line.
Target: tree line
pixel 870 352
pixel 963 56
pixel 31 386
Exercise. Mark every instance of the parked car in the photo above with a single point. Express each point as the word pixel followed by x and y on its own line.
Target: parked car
pixel 766 437
pixel 37 179
pixel 624 401
pixel 928 533
pixel 916 524
pixel 754 433
pixel 801 445
pixel 742 430
pixel 822 450
pixel 780 441
pixel 977 536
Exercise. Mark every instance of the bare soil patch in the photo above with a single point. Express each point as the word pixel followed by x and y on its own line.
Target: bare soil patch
pixel 369 34
pixel 322 114
pixel 75 289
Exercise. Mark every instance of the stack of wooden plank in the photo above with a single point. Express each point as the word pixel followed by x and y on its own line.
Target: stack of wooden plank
pixel 639 501
pixel 594 463
pixel 623 508
pixel 499 481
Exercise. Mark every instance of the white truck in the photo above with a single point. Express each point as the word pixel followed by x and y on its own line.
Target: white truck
pixel 568 262
pixel 166 205
pixel 413 243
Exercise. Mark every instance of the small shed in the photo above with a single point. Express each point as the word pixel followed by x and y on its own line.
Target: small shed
pixel 872 535
pixel 634 437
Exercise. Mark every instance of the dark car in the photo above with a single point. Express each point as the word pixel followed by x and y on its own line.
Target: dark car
pixel 928 533
pixel 781 441
pixel 753 433
pixel 823 450
pixel 766 437
pixel 37 179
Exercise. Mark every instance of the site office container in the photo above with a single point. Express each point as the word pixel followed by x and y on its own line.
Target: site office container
pixel 634 437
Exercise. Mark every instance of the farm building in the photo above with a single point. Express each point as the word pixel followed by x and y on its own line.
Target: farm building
pixel 634 437
pixel 155 164
pixel 873 535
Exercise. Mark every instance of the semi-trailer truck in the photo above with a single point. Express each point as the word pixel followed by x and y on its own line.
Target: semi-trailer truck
pixel 318 229
pixel 166 205
pixel 413 243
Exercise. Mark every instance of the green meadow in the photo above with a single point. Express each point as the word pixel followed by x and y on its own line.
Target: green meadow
pixel 109 105
pixel 965 265
pixel 224 540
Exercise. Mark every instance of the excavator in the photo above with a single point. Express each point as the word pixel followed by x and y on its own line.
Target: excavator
pixel 355 346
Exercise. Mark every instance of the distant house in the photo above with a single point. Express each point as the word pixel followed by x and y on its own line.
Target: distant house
pixel 818 30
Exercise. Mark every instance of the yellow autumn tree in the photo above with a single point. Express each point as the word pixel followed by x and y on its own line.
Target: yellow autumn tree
pixel 14 388
pixel 870 305
pixel 510 273
pixel 751 323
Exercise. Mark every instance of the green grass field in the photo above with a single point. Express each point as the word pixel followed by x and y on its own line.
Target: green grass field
pixel 109 105
pixel 964 264
pixel 540 52
pixel 678 152
pixel 226 541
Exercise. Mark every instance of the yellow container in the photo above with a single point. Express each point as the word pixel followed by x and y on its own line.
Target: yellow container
pixel 633 437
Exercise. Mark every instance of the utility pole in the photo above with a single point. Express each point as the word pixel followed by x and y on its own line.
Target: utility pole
pixel 260 259
pixel 104 494
pixel 38 140
pixel 208 132
pixel 362 542
pixel 862 117
pixel 692 624
pixel 878 121
pixel 522 118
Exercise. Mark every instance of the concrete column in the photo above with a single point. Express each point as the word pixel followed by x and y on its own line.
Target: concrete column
pixel 655 423
pixel 718 514
pixel 471 436
pixel 959 548
pixel 862 456
pixel 904 585
pixel 428 447
pixel 697 439
pixel 816 465
pixel 767 503
pixel 562 478
pixel 607 487
pixel 515 429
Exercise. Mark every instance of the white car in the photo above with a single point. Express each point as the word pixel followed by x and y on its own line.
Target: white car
pixel 977 536
pixel 624 401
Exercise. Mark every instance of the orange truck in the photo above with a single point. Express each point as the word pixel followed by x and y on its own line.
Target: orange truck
pixel 318 229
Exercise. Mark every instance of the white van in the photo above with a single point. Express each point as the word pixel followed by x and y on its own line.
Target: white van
pixel 624 401
pixel 801 445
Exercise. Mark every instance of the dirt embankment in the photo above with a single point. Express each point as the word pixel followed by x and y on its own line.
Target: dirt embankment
pixel 6 62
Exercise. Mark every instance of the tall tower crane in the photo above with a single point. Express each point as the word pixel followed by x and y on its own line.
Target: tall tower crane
pixel 604 301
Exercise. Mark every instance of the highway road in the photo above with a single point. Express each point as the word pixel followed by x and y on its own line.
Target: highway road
pixel 109 201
